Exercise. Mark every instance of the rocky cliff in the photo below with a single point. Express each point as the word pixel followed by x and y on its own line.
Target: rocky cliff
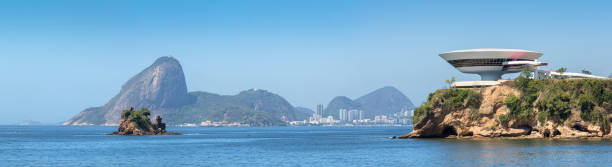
pixel 160 87
pixel 547 108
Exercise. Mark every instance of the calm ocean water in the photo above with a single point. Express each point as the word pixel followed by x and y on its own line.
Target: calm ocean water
pixel 283 146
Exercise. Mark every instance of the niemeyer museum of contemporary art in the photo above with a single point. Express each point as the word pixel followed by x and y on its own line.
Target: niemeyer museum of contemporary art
pixel 491 64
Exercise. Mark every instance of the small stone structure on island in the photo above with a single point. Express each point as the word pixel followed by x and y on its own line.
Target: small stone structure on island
pixel 137 123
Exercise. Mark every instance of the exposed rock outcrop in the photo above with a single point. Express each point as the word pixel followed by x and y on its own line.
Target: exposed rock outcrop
pixel 546 109
pixel 160 87
pixel 137 123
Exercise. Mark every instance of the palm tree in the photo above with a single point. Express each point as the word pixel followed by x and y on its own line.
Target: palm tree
pixel 561 71
pixel 450 82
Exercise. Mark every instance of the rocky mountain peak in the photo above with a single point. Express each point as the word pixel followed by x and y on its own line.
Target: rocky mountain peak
pixel 159 87
pixel 162 83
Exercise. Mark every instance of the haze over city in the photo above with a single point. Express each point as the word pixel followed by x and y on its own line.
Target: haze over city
pixel 59 57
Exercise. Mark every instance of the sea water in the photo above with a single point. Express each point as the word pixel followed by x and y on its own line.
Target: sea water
pixel 283 146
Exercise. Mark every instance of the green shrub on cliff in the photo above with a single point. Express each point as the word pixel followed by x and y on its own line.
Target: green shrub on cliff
pixel 555 98
pixel 558 97
pixel 586 102
pixel 513 103
pixel 521 108
pixel 448 99
pixel 522 81
pixel 455 99
pixel 556 105
pixel 420 112
pixel 540 100
pixel 542 117
pixel 139 118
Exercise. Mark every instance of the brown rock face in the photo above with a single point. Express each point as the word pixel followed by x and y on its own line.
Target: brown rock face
pixel 161 88
pixel 137 123
pixel 484 120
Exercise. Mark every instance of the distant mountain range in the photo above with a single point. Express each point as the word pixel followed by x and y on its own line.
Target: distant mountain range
pixel 253 107
pixel 383 101
pixel 610 76
pixel 35 123
pixel 29 123
pixel 302 113
pixel 161 88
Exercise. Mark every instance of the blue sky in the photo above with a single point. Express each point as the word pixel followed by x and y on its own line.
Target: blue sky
pixel 59 57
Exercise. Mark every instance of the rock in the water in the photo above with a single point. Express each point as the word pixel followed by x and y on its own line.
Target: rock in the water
pixel 137 123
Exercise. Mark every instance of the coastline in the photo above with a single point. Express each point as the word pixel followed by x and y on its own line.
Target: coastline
pixel 519 109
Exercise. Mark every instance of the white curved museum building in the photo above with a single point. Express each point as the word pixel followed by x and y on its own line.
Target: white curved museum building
pixel 491 64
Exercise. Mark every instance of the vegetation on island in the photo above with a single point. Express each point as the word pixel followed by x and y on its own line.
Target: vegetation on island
pixel 137 122
pixel 448 100
pixel 554 100
pixel 252 107
pixel 541 100
pixel 450 82
pixel 138 118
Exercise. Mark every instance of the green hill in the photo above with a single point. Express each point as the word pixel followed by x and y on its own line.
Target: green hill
pixel 253 107
pixel 162 89
pixel 383 101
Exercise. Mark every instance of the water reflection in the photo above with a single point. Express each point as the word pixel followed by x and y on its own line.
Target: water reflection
pixel 530 152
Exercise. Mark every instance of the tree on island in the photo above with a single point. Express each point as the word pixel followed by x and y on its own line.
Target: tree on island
pixel 561 71
pixel 139 118
pixel 137 122
pixel 522 80
pixel 450 82
pixel 586 72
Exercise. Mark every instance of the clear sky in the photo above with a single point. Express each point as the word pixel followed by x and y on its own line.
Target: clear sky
pixel 60 57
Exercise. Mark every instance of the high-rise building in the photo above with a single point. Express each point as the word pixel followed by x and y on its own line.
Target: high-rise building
pixel 350 115
pixel 354 115
pixel 343 114
pixel 319 111
pixel 360 115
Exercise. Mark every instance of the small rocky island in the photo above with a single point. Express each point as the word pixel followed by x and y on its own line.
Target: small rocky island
pixel 522 108
pixel 137 123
